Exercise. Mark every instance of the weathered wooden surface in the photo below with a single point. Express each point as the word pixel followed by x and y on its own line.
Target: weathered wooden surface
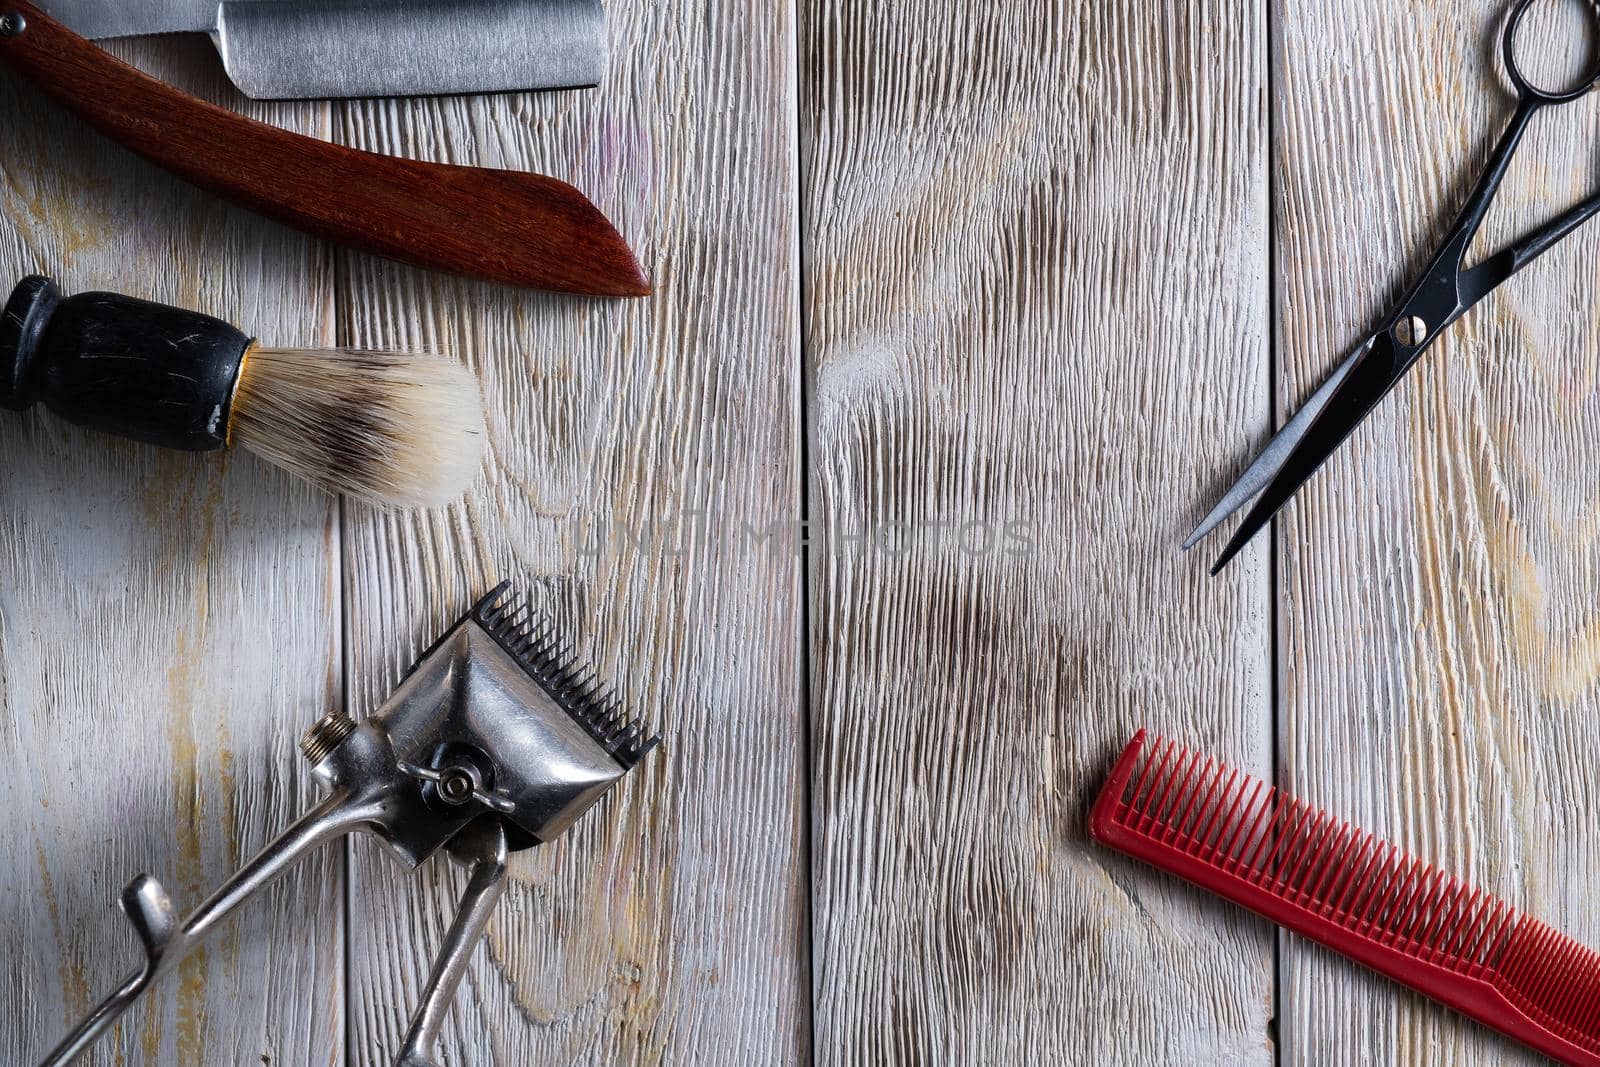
pixel 1035 239
pixel 1437 581
pixel 983 291
pixel 671 924
pixel 167 625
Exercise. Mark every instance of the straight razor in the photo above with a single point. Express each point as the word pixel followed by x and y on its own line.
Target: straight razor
pixel 499 225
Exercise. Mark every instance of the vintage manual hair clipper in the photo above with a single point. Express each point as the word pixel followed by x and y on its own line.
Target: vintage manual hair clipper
pixel 494 742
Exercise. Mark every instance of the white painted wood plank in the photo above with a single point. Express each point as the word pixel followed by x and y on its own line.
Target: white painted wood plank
pixel 1439 577
pixel 1036 294
pixel 168 625
pixel 669 926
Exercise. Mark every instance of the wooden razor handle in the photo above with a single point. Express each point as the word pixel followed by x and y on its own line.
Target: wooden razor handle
pixel 500 225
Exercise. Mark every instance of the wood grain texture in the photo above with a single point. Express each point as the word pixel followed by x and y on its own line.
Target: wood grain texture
pixel 669 926
pixel 1035 307
pixel 506 226
pixel 1035 240
pixel 168 625
pixel 1438 579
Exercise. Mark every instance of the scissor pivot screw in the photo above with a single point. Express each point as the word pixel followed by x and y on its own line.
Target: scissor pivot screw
pixel 12 24
pixel 1411 332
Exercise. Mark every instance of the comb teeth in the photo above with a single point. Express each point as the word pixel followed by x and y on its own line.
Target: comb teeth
pixel 1234 835
pixel 530 640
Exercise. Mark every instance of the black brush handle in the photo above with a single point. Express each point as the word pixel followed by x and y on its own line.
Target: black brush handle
pixel 140 370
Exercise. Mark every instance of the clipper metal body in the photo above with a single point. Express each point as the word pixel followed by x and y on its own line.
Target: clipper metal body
pixel 492 743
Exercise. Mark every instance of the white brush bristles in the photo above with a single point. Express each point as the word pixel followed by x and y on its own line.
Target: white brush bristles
pixel 391 428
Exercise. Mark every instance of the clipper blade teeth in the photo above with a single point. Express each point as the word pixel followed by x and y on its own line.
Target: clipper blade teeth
pixel 530 640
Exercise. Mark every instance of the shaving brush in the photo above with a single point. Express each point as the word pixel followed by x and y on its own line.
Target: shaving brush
pixel 396 429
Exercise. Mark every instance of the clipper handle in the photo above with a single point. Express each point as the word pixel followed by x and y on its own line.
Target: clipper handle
pixel 165 944
pixel 482 847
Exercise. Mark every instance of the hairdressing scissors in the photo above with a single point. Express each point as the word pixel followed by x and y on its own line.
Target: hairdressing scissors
pixel 1445 292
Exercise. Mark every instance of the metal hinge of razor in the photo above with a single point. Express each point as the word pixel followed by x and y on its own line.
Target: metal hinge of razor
pixel 492 743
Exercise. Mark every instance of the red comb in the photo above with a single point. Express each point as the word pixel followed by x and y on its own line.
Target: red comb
pixel 1308 872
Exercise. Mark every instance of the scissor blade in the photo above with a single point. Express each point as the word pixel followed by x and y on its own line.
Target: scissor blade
pixel 1259 473
pixel 1375 370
